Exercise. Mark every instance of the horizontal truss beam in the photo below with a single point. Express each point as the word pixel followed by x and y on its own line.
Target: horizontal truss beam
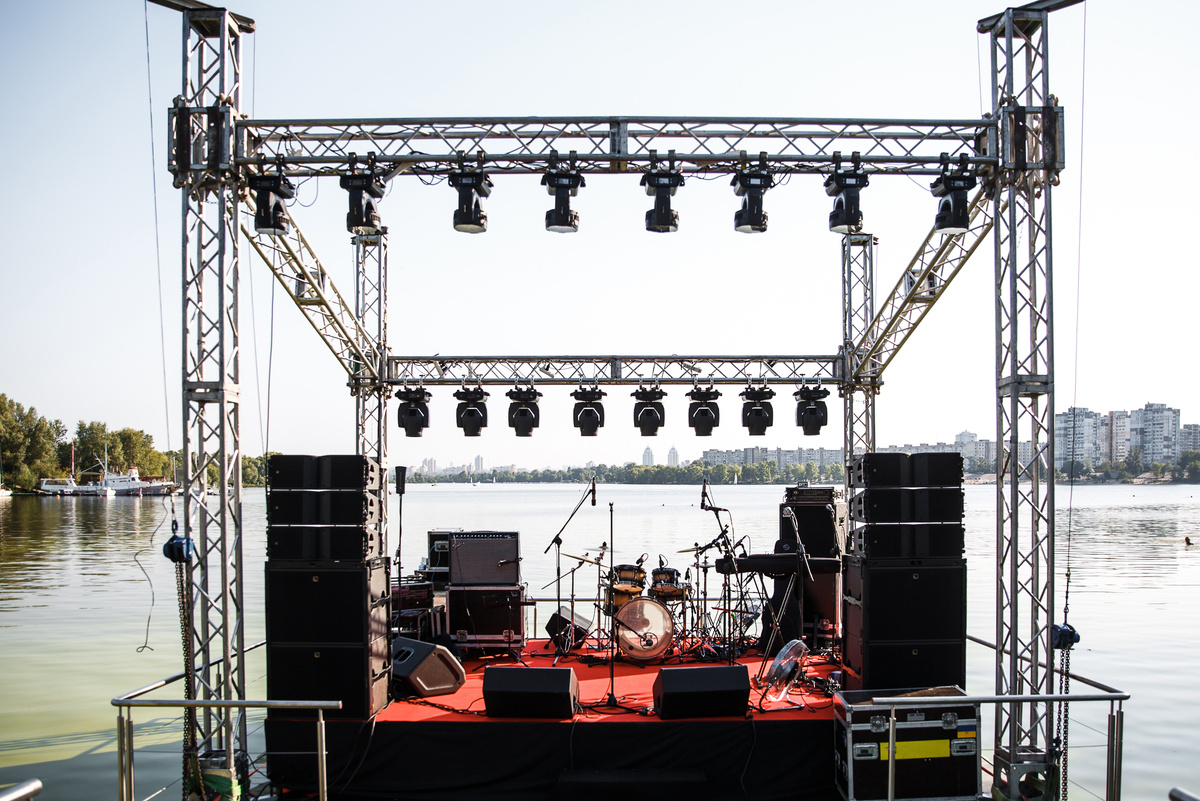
pixel 613 144
pixel 616 370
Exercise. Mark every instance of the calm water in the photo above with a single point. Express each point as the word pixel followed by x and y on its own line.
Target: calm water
pixel 80 622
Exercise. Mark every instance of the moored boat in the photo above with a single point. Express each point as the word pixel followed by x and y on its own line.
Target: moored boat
pixel 131 483
pixel 60 487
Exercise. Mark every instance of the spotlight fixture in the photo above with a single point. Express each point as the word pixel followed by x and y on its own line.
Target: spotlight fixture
pixel 270 213
pixel 703 414
pixel 951 188
pixel 588 414
pixel 661 185
pixel 750 186
pixel 811 412
pixel 413 415
pixel 648 413
pixel 757 414
pixel 843 186
pixel 523 414
pixel 469 217
pixel 563 186
pixel 365 188
pixel 471 415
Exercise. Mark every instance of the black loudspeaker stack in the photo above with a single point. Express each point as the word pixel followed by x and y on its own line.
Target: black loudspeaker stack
pixel 904 602
pixel 327 588
pixel 485 600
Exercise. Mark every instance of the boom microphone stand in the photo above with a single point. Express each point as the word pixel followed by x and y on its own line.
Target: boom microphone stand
pixel 556 544
pixel 612 702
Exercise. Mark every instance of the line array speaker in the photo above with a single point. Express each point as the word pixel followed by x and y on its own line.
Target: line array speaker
pixel 326 602
pixel 323 543
pixel 518 692
pixel 334 472
pixel 356 675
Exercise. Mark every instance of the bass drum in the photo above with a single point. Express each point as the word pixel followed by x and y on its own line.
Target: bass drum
pixel 644 629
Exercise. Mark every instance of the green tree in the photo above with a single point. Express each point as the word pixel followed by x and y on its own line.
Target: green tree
pixel 28 444
pixel 1133 462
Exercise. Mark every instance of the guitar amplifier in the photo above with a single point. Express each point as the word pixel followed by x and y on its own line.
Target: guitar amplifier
pixel 485 558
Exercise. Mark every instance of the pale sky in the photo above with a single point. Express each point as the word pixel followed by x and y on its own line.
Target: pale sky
pixel 80 271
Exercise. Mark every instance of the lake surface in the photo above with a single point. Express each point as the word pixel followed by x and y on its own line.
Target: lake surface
pixel 88 610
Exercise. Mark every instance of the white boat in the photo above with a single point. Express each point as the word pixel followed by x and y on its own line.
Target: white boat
pixel 132 483
pixel 66 486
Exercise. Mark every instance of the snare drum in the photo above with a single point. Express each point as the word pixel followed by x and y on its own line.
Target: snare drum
pixel 614 599
pixel 667 586
pixel 629 578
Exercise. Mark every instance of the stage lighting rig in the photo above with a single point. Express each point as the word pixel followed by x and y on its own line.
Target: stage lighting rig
pixel 844 187
pixel 523 413
pixel 471 414
pixel 661 185
pixel 562 185
pixel 757 414
pixel 811 412
pixel 469 217
pixel 750 184
pixel 588 414
pixel 703 413
pixel 270 212
pixel 951 188
pixel 413 415
pixel 648 412
pixel 365 188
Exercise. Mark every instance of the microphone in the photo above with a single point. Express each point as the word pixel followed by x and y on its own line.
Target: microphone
pixel 593 490
pixel 642 559
pixel 661 562
pixel 704 495
pixel 648 640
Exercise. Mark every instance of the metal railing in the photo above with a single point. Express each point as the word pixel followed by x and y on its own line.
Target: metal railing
pixel 19 792
pixel 125 747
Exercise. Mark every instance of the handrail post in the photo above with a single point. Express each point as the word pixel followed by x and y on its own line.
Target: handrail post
pixel 892 755
pixel 121 755
pixel 321 789
pixel 1116 726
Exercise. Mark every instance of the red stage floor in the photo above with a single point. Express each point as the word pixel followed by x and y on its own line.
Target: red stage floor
pixel 634 683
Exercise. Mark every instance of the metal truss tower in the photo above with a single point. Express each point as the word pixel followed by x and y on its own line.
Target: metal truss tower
pixel 203 161
pixel 1027 145
pixel 858 310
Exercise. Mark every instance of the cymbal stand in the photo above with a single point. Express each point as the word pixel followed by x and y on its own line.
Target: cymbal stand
pixel 556 544
pixel 611 701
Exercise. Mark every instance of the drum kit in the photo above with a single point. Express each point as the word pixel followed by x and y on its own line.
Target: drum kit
pixel 651 617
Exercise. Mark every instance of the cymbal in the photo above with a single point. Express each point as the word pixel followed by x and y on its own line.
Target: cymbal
pixel 583 559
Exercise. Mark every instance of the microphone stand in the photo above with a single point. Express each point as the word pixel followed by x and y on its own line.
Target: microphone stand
pixel 556 544
pixel 611 701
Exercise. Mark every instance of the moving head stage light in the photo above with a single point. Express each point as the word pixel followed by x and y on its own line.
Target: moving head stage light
pixel 523 413
pixel 364 188
pixel 703 414
pixel 413 415
pixel 844 186
pixel 661 185
pixel 588 414
pixel 951 188
pixel 648 413
pixel 270 212
pixel 471 415
pixel 811 412
pixel 469 217
pixel 757 414
pixel 750 186
pixel 562 186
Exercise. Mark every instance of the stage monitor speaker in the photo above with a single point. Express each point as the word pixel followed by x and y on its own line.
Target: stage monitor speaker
pixel 518 692
pixel 566 632
pixel 485 558
pixel 424 669
pixel 335 472
pixel 702 692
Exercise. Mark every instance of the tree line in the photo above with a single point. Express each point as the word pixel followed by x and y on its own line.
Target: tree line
pixel 694 473
pixel 33 447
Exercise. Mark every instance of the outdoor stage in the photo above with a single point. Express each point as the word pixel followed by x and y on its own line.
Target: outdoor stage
pixel 446 747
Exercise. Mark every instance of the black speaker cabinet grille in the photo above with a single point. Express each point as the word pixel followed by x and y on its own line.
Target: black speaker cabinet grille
pixel 326 602
pixel 323 543
pixel 356 675
pixel 338 472
pixel 701 692
pixel 519 692
pixel 323 508
pixel 485 558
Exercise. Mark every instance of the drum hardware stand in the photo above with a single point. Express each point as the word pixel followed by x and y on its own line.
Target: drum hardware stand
pixel 556 544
